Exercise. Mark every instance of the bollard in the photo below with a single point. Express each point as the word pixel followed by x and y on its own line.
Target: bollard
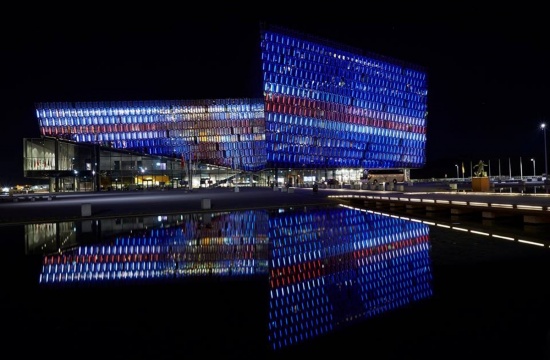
pixel 86 209
pixel 205 204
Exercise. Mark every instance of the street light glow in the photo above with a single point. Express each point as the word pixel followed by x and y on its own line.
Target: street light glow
pixel 534 171
pixel 457 176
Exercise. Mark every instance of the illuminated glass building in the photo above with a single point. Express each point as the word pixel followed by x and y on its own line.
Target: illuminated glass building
pixel 327 106
pixel 328 112
pixel 228 132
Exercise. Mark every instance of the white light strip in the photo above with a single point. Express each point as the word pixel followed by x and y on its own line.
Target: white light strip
pixel 442 201
pixel 416 200
pixel 429 201
pixel 459 203
pixel 530 242
pixel 394 198
pixel 478 204
pixel 403 199
pixel 507 206
pixel 529 207
pixel 503 237
pixel 446 226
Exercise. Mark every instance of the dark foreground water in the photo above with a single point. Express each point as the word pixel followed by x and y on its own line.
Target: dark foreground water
pixel 312 282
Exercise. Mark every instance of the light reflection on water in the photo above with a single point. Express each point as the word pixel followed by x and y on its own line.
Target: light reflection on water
pixel 327 268
pixel 282 282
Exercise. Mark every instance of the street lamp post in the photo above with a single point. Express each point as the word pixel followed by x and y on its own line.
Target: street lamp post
pixel 543 127
pixel 534 171
pixel 457 175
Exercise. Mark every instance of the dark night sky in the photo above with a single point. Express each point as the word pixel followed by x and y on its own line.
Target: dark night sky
pixel 488 75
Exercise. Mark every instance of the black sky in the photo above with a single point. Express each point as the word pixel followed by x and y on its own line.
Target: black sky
pixel 487 74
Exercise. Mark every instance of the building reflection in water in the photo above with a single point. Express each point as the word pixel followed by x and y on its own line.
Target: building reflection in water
pixel 224 244
pixel 327 267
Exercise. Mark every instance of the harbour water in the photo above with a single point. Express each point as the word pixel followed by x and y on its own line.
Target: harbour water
pixel 296 281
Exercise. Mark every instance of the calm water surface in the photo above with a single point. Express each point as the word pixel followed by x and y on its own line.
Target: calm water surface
pixel 273 284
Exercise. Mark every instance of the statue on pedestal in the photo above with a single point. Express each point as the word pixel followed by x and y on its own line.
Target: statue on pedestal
pixel 480 180
pixel 480 172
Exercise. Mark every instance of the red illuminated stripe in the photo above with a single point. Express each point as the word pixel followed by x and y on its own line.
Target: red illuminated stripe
pixel 291 105
pixel 314 269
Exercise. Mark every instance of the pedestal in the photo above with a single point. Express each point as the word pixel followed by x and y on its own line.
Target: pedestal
pixel 481 184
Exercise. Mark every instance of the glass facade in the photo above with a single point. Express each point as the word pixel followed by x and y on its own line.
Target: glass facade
pixel 226 132
pixel 328 112
pixel 68 166
pixel 326 106
pixel 71 166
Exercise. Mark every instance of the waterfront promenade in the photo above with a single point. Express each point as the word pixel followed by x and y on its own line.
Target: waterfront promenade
pixel 530 208
pixel 76 206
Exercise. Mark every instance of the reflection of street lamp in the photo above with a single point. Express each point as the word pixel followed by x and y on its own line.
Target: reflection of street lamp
pixel 75 172
pixel 457 176
pixel 534 172
pixel 543 127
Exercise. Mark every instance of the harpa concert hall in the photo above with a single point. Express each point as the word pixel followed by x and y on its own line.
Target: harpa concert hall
pixel 329 114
